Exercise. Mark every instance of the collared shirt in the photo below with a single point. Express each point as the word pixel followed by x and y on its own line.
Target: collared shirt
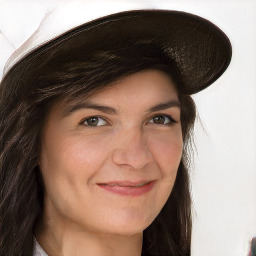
pixel 38 250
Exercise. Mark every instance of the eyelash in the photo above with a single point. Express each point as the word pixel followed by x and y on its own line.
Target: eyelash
pixel 171 120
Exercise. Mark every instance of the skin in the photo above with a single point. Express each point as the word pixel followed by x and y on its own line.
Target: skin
pixel 82 218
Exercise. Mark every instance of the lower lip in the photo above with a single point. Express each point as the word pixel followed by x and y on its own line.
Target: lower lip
pixel 129 191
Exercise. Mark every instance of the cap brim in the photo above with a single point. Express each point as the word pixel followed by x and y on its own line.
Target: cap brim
pixel 201 50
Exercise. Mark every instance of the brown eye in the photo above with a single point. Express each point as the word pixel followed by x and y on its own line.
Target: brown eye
pixel 162 119
pixel 159 119
pixel 94 121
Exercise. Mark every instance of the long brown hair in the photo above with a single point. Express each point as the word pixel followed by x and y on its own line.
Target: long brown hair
pixel 25 99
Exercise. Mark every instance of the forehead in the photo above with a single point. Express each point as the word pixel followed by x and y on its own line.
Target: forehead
pixel 146 80
pixel 141 86
pixel 144 88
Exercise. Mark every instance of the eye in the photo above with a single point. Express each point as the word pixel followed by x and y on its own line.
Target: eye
pixel 94 121
pixel 162 119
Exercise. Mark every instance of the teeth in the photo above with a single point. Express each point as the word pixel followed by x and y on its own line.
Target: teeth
pixel 111 184
pixel 115 184
pixel 140 185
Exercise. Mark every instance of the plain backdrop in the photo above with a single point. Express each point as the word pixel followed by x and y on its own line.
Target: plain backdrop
pixel 224 170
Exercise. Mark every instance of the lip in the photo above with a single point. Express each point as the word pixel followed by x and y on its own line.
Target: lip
pixel 128 188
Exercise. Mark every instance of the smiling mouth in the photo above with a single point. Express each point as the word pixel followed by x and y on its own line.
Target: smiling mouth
pixel 123 185
pixel 128 188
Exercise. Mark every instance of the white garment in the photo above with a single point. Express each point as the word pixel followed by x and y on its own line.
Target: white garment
pixel 38 250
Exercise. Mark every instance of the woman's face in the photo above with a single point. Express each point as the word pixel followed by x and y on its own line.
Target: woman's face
pixel 109 161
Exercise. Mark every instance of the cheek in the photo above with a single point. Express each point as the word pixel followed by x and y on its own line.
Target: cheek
pixel 69 165
pixel 167 152
pixel 73 156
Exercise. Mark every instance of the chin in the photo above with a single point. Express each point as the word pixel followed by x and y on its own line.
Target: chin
pixel 127 226
pixel 125 231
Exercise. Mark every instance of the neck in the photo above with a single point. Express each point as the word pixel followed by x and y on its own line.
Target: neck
pixel 68 240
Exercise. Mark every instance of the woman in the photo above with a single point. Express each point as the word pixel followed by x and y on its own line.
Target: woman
pixel 95 131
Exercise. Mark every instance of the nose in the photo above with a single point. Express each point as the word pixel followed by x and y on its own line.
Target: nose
pixel 131 149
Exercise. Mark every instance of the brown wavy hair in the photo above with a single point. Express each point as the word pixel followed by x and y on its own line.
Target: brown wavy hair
pixel 25 101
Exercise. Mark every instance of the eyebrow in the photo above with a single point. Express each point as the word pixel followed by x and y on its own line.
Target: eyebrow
pixel 113 111
pixel 165 105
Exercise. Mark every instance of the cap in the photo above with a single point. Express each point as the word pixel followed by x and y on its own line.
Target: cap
pixel 201 50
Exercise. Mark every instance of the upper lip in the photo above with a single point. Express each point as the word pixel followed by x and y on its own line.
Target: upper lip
pixel 126 183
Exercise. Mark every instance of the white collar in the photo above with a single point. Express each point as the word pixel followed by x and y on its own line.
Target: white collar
pixel 38 250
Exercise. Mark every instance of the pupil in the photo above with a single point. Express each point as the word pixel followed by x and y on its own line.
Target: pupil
pixel 158 119
pixel 93 121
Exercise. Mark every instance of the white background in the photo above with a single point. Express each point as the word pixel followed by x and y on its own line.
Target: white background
pixel 224 173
